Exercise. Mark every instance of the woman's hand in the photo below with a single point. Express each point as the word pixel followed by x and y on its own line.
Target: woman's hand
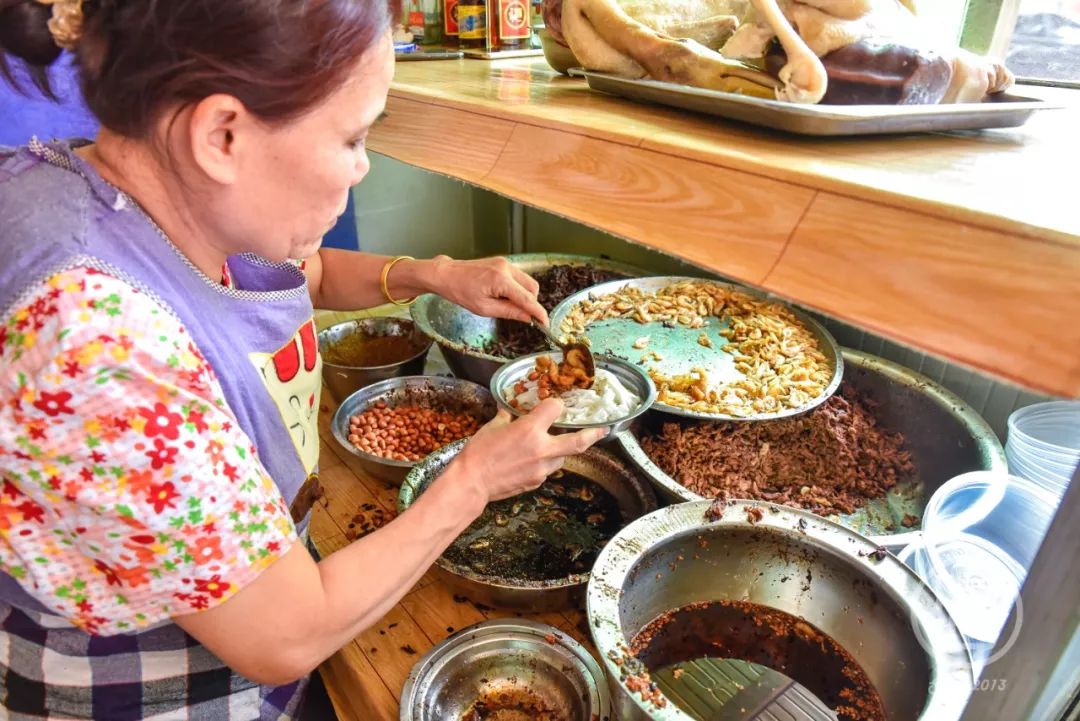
pixel 491 287
pixel 504 459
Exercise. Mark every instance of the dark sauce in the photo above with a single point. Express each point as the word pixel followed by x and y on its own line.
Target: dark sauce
pixel 751 655
pixel 363 351
pixel 514 704
pixel 550 533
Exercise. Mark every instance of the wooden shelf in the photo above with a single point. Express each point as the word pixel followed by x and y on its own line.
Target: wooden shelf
pixel 964 245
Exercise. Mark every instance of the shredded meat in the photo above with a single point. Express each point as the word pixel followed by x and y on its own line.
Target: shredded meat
pixel 514 338
pixel 834 459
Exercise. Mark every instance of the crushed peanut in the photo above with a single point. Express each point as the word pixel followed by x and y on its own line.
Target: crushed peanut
pixel 781 363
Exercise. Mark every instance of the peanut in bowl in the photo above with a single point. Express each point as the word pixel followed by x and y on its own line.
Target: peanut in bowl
pixel 621 392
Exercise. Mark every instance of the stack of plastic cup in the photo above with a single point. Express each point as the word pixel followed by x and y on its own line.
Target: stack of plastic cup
pixel 1044 443
pixel 981 532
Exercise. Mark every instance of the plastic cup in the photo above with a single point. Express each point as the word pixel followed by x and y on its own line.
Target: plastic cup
pixel 981 532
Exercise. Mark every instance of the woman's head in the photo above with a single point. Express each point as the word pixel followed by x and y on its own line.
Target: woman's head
pixel 261 105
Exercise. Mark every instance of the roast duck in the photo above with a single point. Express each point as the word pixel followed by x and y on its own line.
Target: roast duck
pixel 803 51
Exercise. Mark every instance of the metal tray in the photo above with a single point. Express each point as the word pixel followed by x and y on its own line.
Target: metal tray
pixel 679 346
pixel 1005 111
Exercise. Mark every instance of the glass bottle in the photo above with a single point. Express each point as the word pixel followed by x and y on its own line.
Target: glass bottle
pixel 472 23
pixel 511 28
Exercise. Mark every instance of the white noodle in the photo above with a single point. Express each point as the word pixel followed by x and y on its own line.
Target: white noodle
pixel 608 400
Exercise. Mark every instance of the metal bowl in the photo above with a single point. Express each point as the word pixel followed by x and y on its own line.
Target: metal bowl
pixel 870 603
pixel 631 376
pixel 506 656
pixel 945 436
pixel 462 335
pixel 634 496
pixel 342 380
pixel 446 394
pixel 680 348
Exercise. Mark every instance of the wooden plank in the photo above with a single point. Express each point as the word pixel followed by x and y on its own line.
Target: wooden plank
pixel 393 646
pixel 952 289
pixel 986 177
pixel 355 688
pixel 468 151
pixel 727 220
pixel 437 613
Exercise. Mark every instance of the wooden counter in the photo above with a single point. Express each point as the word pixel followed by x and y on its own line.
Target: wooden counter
pixel 365 678
pixel 965 245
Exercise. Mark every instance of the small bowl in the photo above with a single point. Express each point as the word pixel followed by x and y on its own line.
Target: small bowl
pixel 559 57
pixel 448 394
pixel 632 376
pixel 343 380
pixel 512 656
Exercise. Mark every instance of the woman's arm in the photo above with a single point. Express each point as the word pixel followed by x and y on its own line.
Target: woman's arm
pixel 347 280
pixel 297 613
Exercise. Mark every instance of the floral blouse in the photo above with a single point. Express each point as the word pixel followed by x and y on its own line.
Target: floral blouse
pixel 129 493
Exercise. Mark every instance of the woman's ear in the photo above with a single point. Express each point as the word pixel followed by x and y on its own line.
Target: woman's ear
pixel 218 131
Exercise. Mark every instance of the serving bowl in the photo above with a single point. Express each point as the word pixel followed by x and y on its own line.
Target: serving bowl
pixel 633 495
pixel 944 435
pixel 513 659
pixel 633 377
pixel 445 394
pixel 342 379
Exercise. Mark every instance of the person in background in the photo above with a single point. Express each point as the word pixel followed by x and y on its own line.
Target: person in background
pixel 159 375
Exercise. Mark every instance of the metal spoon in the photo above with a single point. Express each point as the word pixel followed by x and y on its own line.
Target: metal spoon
pixel 575 353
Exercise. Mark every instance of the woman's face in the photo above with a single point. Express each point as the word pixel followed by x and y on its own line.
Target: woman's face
pixel 293 181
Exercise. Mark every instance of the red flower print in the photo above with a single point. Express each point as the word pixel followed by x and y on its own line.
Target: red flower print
pixel 11 490
pixel 110 575
pixel 198 602
pixel 72 369
pixel 85 606
pixel 195 418
pixel 31 511
pixel 162 496
pixel 162 455
pixel 230 472
pixel 87 474
pixel 161 421
pixel 215 586
pixel 37 430
pixel 133 577
pixel 140 481
pixel 53 404
pixel 273 547
pixel 207 549
pixel 97 457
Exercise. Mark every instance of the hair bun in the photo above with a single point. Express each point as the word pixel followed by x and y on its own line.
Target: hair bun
pixel 24 33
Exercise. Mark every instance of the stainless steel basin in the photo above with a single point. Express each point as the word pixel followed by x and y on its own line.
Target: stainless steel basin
pixel 945 436
pixel 869 602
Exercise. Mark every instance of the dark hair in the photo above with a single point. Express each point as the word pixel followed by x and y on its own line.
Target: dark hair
pixel 139 58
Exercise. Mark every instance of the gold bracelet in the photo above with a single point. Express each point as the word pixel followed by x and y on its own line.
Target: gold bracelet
pixel 386 272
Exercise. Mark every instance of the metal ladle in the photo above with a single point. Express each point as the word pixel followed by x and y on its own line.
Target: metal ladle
pixel 575 353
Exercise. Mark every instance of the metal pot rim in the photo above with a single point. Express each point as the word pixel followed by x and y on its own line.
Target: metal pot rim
pixel 428 342
pixel 618 559
pixel 859 359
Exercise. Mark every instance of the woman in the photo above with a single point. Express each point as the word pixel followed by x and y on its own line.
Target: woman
pixel 158 380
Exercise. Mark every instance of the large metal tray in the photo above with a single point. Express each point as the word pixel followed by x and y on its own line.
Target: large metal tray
pixel 679 346
pixel 1005 111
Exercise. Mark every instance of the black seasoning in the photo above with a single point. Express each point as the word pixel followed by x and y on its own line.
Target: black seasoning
pixel 553 532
